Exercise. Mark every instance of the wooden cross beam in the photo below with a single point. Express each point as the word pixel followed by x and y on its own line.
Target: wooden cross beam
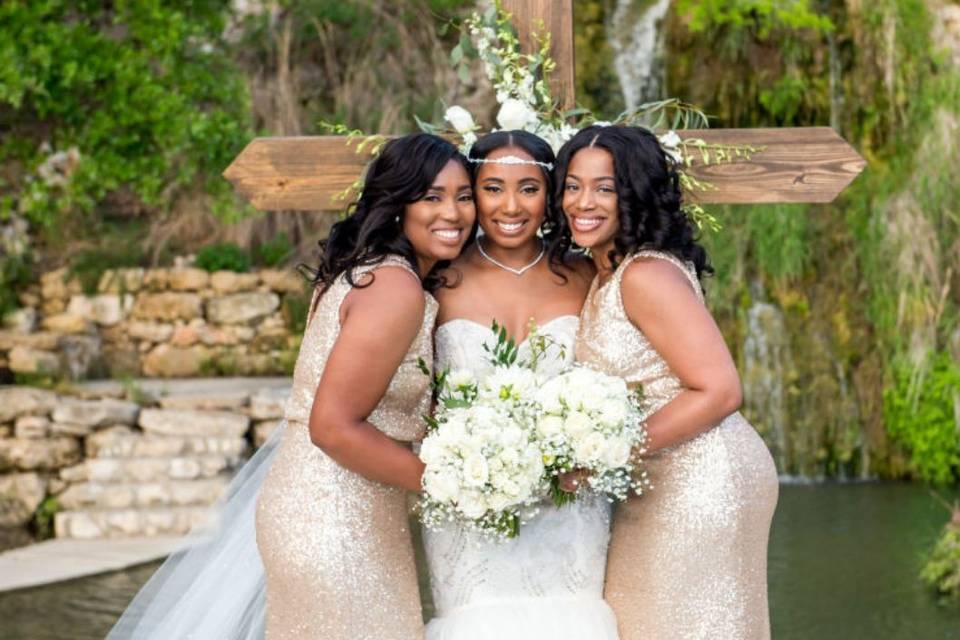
pixel 798 164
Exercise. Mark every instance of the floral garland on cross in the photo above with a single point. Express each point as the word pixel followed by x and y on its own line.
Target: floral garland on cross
pixel 521 82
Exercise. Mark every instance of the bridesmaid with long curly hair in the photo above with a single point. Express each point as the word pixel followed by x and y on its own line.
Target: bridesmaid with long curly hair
pixel 689 558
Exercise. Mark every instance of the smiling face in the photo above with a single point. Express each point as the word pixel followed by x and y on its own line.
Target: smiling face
pixel 439 223
pixel 590 199
pixel 511 199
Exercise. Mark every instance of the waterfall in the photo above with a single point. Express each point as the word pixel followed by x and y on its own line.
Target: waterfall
pixel 638 49
pixel 766 355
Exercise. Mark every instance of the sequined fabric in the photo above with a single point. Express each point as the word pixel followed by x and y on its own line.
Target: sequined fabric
pixel 336 547
pixel 687 560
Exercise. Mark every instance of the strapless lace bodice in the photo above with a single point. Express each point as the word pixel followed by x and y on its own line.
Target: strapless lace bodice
pixel 546 583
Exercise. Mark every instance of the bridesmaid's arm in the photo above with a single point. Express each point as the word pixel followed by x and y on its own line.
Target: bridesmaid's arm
pixel 378 325
pixel 659 300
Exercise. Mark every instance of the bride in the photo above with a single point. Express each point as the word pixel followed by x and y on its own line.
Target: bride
pixel 547 582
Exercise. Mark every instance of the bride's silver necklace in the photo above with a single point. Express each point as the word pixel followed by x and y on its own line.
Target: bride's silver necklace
pixel 517 272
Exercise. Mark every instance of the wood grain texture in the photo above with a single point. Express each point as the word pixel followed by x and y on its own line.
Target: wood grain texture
pixel 796 165
pixel 557 17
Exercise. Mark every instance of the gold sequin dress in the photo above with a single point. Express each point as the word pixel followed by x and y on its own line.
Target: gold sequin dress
pixel 688 559
pixel 336 547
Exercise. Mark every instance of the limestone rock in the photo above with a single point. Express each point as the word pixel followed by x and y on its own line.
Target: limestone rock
pixel 173 362
pixel 87 495
pixel 66 322
pixel 58 285
pixel 268 404
pixel 215 401
pixel 76 473
pixel 121 470
pixel 20 495
pixel 157 446
pixel 90 524
pixel 271 339
pixel 27 360
pixel 24 401
pixel 70 429
pixel 121 360
pixel 121 280
pixel 150 331
pixel 184 336
pixel 38 455
pixel 224 282
pixel 188 279
pixel 168 306
pixel 21 320
pixel 105 309
pixel 156 279
pixel 35 427
pixel 284 280
pixel 175 422
pixel 242 307
pixel 44 340
pixel 97 413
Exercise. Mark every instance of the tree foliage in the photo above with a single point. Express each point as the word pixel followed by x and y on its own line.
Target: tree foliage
pixel 134 101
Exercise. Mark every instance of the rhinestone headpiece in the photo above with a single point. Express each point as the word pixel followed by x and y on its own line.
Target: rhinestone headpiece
pixel 511 160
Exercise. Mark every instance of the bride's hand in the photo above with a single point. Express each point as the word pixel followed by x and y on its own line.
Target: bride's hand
pixel 571 481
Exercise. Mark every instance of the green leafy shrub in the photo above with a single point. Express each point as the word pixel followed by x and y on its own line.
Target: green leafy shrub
pixel 43 517
pixel 138 99
pixel 89 265
pixel 273 252
pixel 920 414
pixel 223 256
pixel 942 569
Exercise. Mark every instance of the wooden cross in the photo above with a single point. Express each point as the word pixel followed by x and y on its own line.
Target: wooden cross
pixel 799 164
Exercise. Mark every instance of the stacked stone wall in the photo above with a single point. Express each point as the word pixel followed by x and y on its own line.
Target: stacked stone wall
pixel 167 323
pixel 109 466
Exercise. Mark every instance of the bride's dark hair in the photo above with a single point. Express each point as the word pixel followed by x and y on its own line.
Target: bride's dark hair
pixel 540 151
pixel 648 197
pixel 373 228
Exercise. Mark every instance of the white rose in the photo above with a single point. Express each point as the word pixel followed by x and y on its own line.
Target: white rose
pixel 431 451
pixel 549 426
pixel 670 140
pixel 514 114
pixel 442 486
pixel 472 504
pixel 578 424
pixel 589 447
pixel 612 412
pixel 499 502
pixel 617 453
pixel 460 119
pixel 475 471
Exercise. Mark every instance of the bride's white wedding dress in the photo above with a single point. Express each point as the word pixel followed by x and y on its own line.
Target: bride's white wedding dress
pixel 546 583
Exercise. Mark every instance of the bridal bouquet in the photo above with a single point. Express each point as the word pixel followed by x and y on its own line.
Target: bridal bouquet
pixel 483 462
pixel 591 421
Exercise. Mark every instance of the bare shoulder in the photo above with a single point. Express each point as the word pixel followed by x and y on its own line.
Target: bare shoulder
pixel 391 291
pixel 652 279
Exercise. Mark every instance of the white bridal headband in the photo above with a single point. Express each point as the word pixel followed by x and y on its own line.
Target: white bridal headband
pixel 511 160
